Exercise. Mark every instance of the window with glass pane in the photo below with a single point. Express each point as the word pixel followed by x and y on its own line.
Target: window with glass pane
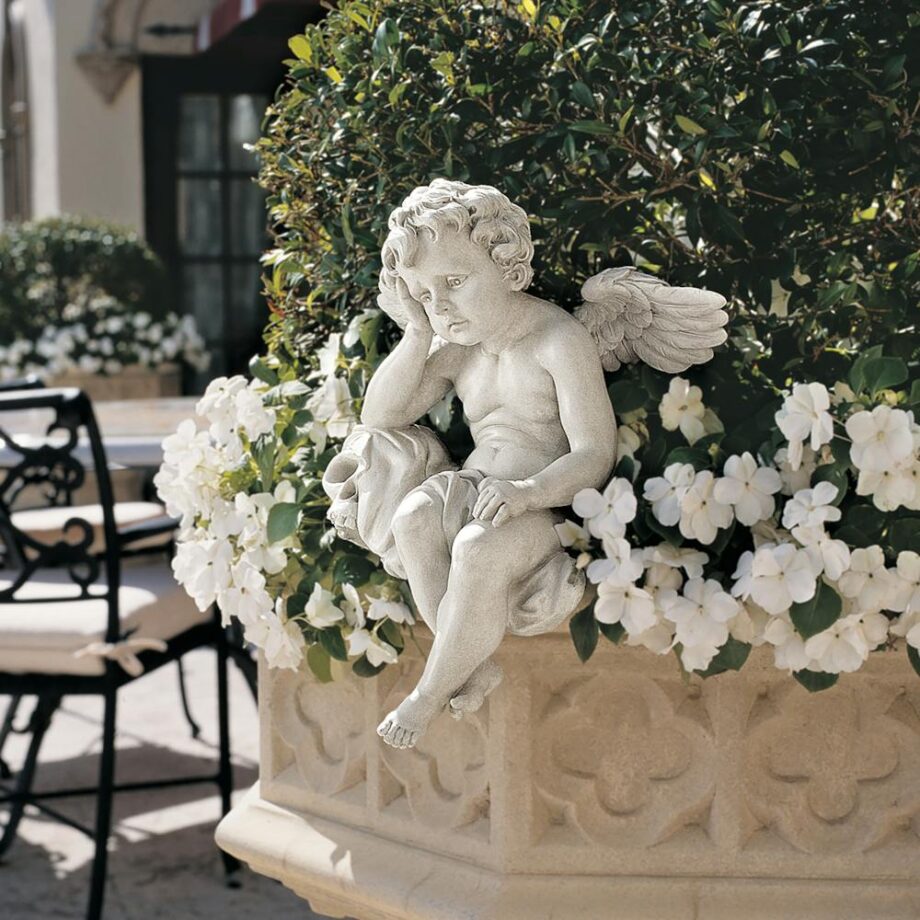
pixel 221 223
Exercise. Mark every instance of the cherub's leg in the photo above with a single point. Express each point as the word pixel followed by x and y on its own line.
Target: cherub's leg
pixel 486 561
pixel 424 551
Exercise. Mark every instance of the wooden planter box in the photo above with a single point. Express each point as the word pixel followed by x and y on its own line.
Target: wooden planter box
pixel 134 382
pixel 612 789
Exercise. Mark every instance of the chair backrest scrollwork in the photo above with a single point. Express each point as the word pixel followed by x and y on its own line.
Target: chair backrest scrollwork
pixel 48 472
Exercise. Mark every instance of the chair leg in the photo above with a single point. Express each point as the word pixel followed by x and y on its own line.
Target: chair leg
pixel 5 729
pixel 225 768
pixel 103 807
pixel 183 695
pixel 38 725
pixel 236 647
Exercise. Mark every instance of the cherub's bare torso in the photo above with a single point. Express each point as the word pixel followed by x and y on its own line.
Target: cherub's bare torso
pixel 509 400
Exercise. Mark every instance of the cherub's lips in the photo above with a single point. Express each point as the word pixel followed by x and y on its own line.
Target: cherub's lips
pixel 456 324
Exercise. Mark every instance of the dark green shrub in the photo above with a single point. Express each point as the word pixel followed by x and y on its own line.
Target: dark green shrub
pixel 749 148
pixel 47 264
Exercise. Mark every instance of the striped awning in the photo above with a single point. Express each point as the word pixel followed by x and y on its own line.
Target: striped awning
pixel 224 18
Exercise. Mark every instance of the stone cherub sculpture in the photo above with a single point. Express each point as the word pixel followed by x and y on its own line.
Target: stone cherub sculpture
pixel 478 544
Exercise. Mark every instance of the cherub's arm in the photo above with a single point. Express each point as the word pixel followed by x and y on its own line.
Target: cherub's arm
pixel 409 381
pixel 572 360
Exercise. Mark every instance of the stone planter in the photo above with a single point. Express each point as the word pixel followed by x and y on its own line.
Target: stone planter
pixel 133 382
pixel 612 789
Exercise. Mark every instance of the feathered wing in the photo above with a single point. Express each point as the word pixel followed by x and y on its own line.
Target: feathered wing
pixel 634 316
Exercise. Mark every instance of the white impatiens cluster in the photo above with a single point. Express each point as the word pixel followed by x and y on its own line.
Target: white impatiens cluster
pixel 821 604
pixel 104 337
pixel 886 444
pixel 224 552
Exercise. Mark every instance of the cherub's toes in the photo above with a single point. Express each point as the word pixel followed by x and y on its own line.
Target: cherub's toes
pixel 409 739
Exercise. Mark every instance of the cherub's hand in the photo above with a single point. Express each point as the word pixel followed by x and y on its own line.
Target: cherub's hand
pixel 500 500
pixel 414 311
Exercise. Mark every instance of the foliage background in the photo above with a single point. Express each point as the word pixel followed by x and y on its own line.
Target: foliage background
pixel 764 150
pixel 48 264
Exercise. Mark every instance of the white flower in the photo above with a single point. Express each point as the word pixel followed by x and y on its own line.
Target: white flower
pixel 788 646
pixel 690 560
pixel 795 479
pixel 353 333
pixel 202 567
pixel 661 577
pixel 281 643
pixel 907 583
pixel 804 416
pixel 698 657
pixel 867 582
pixel 832 557
pixel 628 442
pixel 352 607
pixel 332 405
pixel 626 604
pixel 776 577
pixel 748 487
pixel 892 487
pixel 365 642
pixel 682 407
pixel 622 565
pixel 665 492
pixel 572 535
pixel 812 507
pixel 881 438
pixel 396 611
pixel 701 614
pixel 320 611
pixel 246 598
pixel 845 645
pixel 328 354
pixel 701 514
pixel 606 515
pixel 658 638
pixel 252 415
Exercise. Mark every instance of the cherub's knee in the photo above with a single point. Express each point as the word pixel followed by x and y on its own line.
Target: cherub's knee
pixel 415 517
pixel 474 549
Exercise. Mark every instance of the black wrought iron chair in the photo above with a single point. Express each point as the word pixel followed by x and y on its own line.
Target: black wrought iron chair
pixel 76 618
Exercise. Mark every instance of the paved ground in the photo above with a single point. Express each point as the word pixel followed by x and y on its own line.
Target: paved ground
pixel 163 860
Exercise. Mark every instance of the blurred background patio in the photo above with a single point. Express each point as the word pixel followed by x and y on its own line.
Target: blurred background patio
pixel 135 112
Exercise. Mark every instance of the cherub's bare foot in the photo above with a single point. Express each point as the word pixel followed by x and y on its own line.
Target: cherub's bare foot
pixel 407 722
pixel 474 692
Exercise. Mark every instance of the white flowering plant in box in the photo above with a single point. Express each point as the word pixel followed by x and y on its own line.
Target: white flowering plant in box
pixel 100 335
pixel 738 515
pixel 253 534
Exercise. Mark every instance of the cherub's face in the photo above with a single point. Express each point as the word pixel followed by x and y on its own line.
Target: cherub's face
pixel 459 285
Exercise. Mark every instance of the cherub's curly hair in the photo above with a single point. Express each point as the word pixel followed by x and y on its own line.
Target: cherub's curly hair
pixel 492 220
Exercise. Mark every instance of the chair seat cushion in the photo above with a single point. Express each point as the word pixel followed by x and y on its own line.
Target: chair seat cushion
pixel 43 637
pixel 47 524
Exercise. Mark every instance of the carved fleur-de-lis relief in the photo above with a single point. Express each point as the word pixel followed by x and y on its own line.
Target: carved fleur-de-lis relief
pixel 323 725
pixel 443 781
pixel 835 772
pixel 616 762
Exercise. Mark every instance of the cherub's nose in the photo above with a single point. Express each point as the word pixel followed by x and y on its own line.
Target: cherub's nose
pixel 440 302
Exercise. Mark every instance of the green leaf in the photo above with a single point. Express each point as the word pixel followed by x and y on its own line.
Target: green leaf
pixel 913 398
pixel 816 615
pixel 789 159
pixel 914 657
pixel 612 631
pixel 363 668
pixel 731 657
pixel 857 375
pixel 689 126
pixel 700 459
pixel 352 569
pixel 904 534
pixel 883 373
pixel 393 634
pixel 627 396
pixel 259 369
pixel 318 660
pixel 302 48
pixel 581 94
pixel 282 520
pixel 814 681
pixel 333 642
pixel 584 631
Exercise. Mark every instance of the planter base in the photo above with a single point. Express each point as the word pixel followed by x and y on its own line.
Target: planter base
pixel 613 789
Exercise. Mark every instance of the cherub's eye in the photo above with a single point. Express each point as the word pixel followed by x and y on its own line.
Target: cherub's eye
pixel 454 281
pixel 425 297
